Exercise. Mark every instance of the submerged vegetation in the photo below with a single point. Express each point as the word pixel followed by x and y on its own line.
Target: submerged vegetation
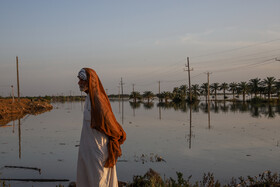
pixel 153 179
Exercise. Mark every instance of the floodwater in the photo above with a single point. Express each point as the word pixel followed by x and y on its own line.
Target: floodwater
pixel 230 140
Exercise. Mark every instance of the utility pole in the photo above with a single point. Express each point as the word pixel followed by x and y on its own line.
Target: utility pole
pixel 208 89
pixel 18 81
pixel 158 87
pixel 133 88
pixel 189 75
pixel 122 86
pixel 13 93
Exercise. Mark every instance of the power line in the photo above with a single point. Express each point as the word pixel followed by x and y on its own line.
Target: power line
pixel 247 65
pixel 238 57
pixel 235 49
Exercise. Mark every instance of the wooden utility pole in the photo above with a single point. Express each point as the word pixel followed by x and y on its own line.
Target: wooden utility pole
pixel 208 89
pixel 133 88
pixel 18 81
pixel 122 86
pixel 189 75
pixel 13 93
pixel 158 87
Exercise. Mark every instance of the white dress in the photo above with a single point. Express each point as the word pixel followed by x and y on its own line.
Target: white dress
pixel 92 156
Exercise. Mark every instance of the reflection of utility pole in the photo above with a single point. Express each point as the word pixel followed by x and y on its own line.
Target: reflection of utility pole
pixel 191 134
pixel 18 81
pixel 209 115
pixel 122 98
pixel 19 139
pixel 159 111
pixel 189 75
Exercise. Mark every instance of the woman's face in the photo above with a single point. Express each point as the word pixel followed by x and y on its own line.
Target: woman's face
pixel 83 85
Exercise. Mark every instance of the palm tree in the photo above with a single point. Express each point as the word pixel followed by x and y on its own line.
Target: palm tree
pixel 277 86
pixel 224 87
pixel 166 96
pixel 269 82
pixel 255 85
pixel 204 89
pixel 179 94
pixel 233 88
pixel 160 96
pixel 243 87
pixel 183 89
pixel 195 90
pixel 215 87
pixel 148 95
pixel 135 96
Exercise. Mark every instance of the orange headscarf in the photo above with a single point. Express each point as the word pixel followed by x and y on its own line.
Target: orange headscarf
pixel 103 119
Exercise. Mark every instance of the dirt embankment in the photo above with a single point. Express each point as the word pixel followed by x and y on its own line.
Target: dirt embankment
pixel 10 110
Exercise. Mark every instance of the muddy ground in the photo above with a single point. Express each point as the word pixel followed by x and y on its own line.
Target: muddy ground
pixel 10 110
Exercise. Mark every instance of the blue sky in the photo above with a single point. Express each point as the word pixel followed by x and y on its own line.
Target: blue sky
pixel 142 41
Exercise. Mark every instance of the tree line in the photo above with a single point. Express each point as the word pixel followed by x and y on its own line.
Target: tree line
pixel 256 88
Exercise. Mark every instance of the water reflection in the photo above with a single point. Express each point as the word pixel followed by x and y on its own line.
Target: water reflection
pixel 134 105
pixel 255 110
pixel 19 139
pixel 148 105
pixel 190 133
pixel 177 132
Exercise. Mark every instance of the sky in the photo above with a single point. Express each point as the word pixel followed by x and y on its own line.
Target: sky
pixel 142 42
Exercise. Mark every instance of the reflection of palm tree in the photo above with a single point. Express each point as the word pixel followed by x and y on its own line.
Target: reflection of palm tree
pixel 135 96
pixel 269 112
pixel 233 88
pixel 135 105
pixel 148 105
pixel 148 95
pixel 243 87
pixel 215 87
pixel 269 83
pixel 224 87
pixel 255 85
pixel 255 111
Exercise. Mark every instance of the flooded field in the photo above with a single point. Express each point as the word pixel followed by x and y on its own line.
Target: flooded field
pixel 230 140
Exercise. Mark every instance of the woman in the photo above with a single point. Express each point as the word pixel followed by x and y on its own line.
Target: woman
pixel 101 136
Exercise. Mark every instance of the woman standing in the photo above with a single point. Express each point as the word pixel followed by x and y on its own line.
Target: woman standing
pixel 101 136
